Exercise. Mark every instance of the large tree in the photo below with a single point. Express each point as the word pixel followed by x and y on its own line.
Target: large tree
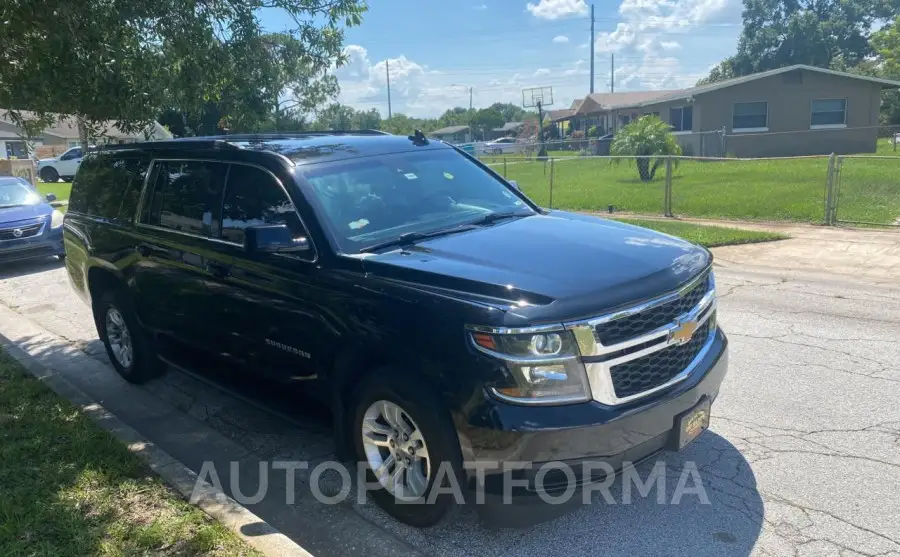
pixel 779 33
pixel 129 60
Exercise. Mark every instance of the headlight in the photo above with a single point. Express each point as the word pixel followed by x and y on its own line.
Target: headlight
pixel 542 367
pixel 56 219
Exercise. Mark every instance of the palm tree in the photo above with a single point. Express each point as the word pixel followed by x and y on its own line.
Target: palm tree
pixel 643 139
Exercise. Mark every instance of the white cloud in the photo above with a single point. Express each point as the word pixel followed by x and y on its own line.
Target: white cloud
pixel 584 45
pixel 480 7
pixel 560 39
pixel 419 90
pixel 557 9
pixel 614 41
pixel 647 33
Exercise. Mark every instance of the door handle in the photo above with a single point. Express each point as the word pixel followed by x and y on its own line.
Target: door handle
pixel 219 270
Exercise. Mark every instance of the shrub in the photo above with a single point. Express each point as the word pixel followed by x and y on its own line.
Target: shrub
pixel 645 139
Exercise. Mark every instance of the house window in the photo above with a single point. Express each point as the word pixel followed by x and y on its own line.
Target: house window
pixel 682 118
pixel 828 113
pixel 73 143
pixel 750 116
pixel 16 149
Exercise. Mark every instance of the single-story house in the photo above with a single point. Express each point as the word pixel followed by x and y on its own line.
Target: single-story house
pixel 453 134
pixel 791 111
pixel 64 134
pixel 509 129
pixel 596 109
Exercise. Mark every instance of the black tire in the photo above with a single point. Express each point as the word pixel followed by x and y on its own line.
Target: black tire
pixel 49 174
pixel 425 408
pixel 145 364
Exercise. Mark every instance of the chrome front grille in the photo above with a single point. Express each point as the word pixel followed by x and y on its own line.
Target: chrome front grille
pixel 20 232
pixel 644 349
pixel 630 326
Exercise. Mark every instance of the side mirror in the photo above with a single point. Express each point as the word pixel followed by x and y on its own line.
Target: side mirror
pixel 51 198
pixel 273 238
pixel 514 184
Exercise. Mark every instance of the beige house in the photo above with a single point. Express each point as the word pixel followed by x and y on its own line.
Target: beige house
pixel 64 134
pixel 453 134
pixel 797 110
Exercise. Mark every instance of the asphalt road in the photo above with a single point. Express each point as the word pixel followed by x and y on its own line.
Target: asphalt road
pixel 802 458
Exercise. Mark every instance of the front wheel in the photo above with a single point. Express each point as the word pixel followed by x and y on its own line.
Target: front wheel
pixel 49 174
pixel 127 344
pixel 405 436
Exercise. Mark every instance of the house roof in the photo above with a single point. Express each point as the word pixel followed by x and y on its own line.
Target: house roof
pixel 66 127
pixel 449 130
pixel 598 102
pixel 575 104
pixel 561 114
pixel 693 91
pixel 509 127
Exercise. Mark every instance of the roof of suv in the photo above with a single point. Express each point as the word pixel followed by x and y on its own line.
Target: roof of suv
pixel 301 147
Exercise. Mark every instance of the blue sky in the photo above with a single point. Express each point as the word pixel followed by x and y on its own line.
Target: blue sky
pixel 437 49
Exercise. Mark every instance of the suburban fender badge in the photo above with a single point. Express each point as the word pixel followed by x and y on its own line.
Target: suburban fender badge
pixel 286 348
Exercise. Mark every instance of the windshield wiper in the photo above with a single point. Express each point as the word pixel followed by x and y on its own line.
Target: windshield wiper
pixel 494 217
pixel 413 237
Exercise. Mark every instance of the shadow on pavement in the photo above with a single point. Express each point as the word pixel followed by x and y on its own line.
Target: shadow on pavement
pixel 15 269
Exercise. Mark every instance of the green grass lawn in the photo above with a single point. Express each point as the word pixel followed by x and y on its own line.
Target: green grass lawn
pixel 61 190
pixel 790 189
pixel 709 236
pixel 70 488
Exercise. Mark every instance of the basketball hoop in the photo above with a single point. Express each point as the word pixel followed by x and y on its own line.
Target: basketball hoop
pixel 538 97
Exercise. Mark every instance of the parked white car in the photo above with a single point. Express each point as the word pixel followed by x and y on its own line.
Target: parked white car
pixel 503 146
pixel 63 166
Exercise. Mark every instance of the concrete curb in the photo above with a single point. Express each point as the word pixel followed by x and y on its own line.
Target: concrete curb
pixel 212 501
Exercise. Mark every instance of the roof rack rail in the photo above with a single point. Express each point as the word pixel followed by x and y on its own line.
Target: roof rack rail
pixel 281 135
pixel 199 142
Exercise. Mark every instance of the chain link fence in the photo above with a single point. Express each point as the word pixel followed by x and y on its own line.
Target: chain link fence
pixel 827 189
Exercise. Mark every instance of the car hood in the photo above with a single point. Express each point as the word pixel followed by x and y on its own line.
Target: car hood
pixel 24 212
pixel 546 267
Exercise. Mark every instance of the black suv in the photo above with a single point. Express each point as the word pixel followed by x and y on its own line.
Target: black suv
pixel 442 315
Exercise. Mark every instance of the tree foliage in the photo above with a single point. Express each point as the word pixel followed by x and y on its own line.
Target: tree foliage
pixel 645 139
pixel 779 33
pixel 130 60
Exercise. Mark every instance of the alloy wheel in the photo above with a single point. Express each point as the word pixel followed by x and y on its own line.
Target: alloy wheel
pixel 119 338
pixel 396 451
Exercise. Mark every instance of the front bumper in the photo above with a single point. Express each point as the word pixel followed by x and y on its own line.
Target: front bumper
pixel 48 242
pixel 513 441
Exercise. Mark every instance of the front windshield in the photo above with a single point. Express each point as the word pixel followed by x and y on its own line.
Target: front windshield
pixel 14 194
pixel 376 199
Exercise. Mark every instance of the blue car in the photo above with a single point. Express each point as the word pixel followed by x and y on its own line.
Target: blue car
pixel 29 226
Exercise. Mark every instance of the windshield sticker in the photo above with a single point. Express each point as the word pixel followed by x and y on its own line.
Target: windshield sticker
pixel 448 176
pixel 411 176
pixel 357 224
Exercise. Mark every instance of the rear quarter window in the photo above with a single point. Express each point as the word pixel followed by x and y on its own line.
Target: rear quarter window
pixel 109 187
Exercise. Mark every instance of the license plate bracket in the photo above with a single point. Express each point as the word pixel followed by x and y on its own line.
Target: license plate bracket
pixel 691 423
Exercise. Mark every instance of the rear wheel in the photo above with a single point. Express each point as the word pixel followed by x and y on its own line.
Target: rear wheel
pixel 405 436
pixel 49 174
pixel 128 346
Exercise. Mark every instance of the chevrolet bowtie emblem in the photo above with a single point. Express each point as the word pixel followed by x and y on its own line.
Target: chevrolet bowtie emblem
pixel 684 332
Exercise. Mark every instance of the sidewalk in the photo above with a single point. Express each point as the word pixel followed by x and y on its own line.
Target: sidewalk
pixel 871 254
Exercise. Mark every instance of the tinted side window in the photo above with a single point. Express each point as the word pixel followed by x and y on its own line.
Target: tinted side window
pixel 185 196
pixel 108 187
pixel 73 154
pixel 252 197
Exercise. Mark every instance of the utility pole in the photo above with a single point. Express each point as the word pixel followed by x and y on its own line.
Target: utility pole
pixel 470 98
pixel 612 73
pixel 387 70
pixel 592 48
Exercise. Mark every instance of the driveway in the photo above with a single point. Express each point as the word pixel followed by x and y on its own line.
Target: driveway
pixel 802 458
